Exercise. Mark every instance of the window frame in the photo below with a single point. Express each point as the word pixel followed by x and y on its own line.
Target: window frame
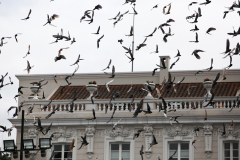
pixel 231 149
pixel 177 139
pixel 179 146
pixel 63 145
pixel 111 140
pixel 120 149
pixel 74 151
pixel 222 140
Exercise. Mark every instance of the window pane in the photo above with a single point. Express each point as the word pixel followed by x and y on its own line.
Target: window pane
pixel 227 145
pixel 235 159
pixel 67 154
pixel 57 147
pixel 66 147
pixel 115 147
pixel 184 158
pixel 227 153
pixel 126 154
pixel 173 146
pixel 171 153
pixel 227 159
pixel 57 155
pixel 235 153
pixel 125 146
pixel 184 153
pixel 114 154
pixel 235 145
pixel 126 158
pixel 184 146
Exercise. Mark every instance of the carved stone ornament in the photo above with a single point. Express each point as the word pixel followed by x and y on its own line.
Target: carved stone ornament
pixel 177 130
pixel 148 130
pixel 63 132
pixel 90 130
pixel 208 154
pixel 32 132
pixel 208 131
pixel 231 133
pixel 119 131
pixel 208 128
pixel 90 155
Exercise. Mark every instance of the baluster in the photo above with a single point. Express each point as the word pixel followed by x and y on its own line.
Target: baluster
pixel 65 107
pixel 217 104
pixel 190 105
pixel 117 107
pixel 171 105
pixel 181 107
pixel 199 106
pixel 194 104
pixel 51 107
pixel 104 107
pixel 77 107
pixel 99 107
pixel 224 104
pixel 121 106
pixel 60 107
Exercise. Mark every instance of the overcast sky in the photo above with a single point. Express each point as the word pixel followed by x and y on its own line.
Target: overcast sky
pixel 42 53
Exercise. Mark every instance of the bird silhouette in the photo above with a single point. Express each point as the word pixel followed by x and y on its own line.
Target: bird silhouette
pixel 27 16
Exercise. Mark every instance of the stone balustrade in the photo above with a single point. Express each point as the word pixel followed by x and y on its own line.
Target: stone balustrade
pixel 125 105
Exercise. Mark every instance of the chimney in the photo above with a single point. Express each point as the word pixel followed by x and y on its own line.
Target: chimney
pixel 164 72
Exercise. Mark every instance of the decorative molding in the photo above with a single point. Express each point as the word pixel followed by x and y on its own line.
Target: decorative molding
pixel 90 131
pixel 177 131
pixel 231 133
pixel 32 133
pixel 119 131
pixel 208 131
pixel 207 128
pixel 148 130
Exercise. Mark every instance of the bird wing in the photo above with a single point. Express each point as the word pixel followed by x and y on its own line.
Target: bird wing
pixel 131 31
pixel 108 84
pixel 101 37
pixel 227 45
pixel 217 77
pixel 72 145
pixel 158 93
pixel 169 8
pixel 60 50
pixel 154 30
pixel 29 12
pixel 93 113
pixel 113 70
pixel 144 40
pixel 109 63
pixel 199 10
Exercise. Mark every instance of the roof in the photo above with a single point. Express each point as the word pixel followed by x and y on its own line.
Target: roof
pixel 221 90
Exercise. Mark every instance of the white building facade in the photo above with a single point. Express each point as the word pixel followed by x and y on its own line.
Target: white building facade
pixel 105 144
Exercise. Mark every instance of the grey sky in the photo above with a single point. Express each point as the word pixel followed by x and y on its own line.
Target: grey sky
pixel 42 53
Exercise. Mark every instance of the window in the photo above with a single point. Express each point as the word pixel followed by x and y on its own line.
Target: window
pixel 182 150
pixel 120 151
pixel 231 151
pixel 62 152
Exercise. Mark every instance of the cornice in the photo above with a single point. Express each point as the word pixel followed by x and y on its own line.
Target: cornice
pixel 155 120
pixel 124 74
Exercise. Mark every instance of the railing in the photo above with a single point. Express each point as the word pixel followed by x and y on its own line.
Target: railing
pixel 125 105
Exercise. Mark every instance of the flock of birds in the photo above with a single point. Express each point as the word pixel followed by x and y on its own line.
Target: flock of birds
pixel 88 16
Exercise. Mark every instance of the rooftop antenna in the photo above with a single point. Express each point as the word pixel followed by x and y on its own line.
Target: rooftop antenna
pixel 133 32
